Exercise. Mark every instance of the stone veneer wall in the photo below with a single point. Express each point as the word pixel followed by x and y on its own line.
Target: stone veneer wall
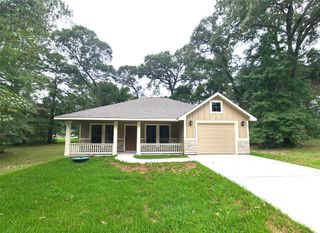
pixel 190 146
pixel 243 146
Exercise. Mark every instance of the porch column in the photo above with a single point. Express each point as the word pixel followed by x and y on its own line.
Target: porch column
pixel 103 133
pixel 138 138
pixel 67 139
pixel 115 138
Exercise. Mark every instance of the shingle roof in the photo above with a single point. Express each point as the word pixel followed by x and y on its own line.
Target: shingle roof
pixel 142 108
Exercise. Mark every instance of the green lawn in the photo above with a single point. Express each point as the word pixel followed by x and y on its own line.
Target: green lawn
pixel 23 156
pixel 61 140
pixel 159 156
pixel 104 195
pixel 308 154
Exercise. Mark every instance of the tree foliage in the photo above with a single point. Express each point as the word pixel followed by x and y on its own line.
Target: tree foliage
pixel 128 77
pixel 24 28
pixel 260 53
pixel 89 57
pixel 15 115
pixel 164 69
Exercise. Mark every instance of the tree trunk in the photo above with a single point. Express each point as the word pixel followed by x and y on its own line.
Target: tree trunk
pixel 51 118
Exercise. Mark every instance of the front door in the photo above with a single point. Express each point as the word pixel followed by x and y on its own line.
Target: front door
pixel 131 138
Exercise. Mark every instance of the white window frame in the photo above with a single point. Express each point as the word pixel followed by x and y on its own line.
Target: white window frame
pixel 157 131
pixel 103 131
pixel 221 105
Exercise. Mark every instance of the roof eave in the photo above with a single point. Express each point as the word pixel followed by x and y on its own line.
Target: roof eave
pixel 109 119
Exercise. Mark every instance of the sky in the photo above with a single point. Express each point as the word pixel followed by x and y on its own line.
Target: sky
pixel 136 28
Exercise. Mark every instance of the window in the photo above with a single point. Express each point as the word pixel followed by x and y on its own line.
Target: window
pixel 151 133
pixel 96 131
pixel 216 107
pixel 164 134
pixel 109 133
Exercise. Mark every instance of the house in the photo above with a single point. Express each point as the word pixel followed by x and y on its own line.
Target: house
pixel 152 125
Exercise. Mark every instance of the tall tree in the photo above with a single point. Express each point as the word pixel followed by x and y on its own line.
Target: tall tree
pixel 216 63
pixel 164 69
pixel 88 56
pixel 128 77
pixel 293 25
pixel 15 115
pixel 105 93
pixel 270 75
pixel 55 66
pixel 24 28
pixel 25 25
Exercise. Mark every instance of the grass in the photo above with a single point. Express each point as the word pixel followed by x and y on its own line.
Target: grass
pixel 308 154
pixel 104 195
pixel 159 156
pixel 62 140
pixel 19 157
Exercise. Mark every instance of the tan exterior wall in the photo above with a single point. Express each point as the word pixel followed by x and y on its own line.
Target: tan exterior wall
pixel 241 143
pixel 180 131
pixel 203 114
pixel 176 133
pixel 84 132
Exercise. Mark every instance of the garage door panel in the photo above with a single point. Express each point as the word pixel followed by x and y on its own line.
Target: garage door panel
pixel 216 138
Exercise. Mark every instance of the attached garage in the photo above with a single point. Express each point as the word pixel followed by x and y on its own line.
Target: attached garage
pixel 216 138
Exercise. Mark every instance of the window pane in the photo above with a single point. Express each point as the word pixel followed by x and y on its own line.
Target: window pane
pixel 216 107
pixel 164 134
pixel 109 133
pixel 151 134
pixel 96 131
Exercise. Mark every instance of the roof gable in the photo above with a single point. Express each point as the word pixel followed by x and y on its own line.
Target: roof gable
pixel 217 94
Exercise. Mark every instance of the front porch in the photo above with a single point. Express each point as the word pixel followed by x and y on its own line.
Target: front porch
pixel 111 137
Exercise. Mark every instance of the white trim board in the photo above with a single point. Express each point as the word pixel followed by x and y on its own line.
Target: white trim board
pixel 110 119
pixel 103 132
pixel 251 118
pixel 221 106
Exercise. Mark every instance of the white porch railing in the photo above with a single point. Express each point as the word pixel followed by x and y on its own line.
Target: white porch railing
pixel 161 148
pixel 90 148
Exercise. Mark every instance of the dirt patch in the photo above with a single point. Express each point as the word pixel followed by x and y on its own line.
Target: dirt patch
pixel 238 202
pixel 140 168
pixel 164 167
pixel 146 208
pixel 152 216
pixel 282 227
pixel 275 229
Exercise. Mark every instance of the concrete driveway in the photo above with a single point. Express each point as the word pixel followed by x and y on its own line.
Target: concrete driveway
pixel 294 189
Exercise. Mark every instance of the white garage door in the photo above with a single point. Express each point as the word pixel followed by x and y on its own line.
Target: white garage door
pixel 216 138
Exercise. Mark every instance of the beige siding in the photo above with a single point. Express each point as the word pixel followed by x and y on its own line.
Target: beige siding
pixel 84 130
pixel 176 129
pixel 229 114
pixel 216 138
pixel 180 132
